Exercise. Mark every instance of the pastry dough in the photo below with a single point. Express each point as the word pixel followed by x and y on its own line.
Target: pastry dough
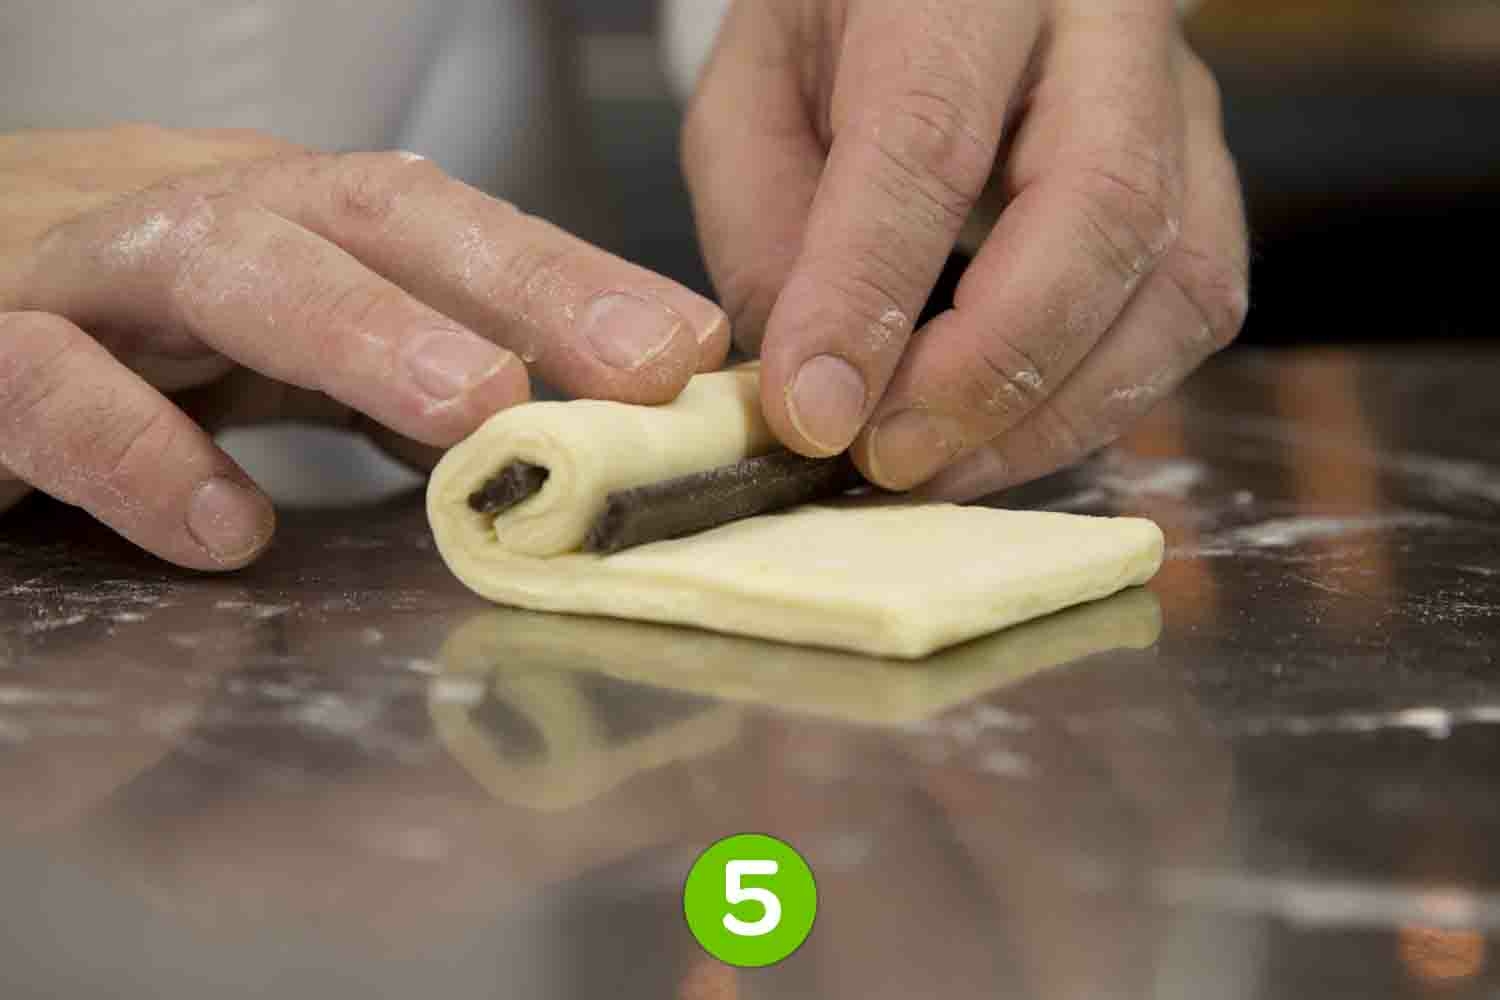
pixel 891 578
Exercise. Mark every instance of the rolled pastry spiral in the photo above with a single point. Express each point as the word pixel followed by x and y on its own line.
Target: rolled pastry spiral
pixel 591 449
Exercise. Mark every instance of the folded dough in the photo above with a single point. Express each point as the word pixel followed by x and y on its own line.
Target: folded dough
pixel 882 577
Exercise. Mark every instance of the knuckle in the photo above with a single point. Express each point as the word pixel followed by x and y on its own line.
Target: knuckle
pixel 1216 290
pixel 37 350
pixel 534 274
pixel 327 312
pixel 931 140
pixel 1008 382
pixel 85 436
pixel 179 221
pixel 142 235
pixel 204 245
pixel 870 305
pixel 1131 209
pixel 126 448
pixel 870 269
pixel 369 188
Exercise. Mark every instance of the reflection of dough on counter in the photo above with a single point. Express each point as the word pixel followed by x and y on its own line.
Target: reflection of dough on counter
pixel 568 756
pixel 888 578
pixel 500 644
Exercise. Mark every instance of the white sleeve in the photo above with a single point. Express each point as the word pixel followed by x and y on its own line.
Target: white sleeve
pixel 312 73
pixel 689 28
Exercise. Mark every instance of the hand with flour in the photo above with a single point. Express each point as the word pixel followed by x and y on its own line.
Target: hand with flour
pixel 835 151
pixel 368 289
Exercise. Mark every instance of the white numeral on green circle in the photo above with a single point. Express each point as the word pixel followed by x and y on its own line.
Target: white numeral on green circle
pixel 785 894
pixel 735 892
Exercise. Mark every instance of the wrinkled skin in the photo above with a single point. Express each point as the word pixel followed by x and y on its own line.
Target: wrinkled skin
pixel 835 150
pixel 362 289
pixel 155 283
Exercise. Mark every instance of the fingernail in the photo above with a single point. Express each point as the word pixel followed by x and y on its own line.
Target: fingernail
pixel 710 329
pixel 826 402
pixel 704 315
pixel 230 521
pixel 446 365
pixel 910 447
pixel 627 331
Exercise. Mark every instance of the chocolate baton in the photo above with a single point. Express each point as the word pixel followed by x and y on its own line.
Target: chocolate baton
pixel 708 499
pixel 512 485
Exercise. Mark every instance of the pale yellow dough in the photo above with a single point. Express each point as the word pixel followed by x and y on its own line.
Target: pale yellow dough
pixel 887 578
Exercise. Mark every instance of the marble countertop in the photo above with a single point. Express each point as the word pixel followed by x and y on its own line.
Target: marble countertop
pixel 1271 775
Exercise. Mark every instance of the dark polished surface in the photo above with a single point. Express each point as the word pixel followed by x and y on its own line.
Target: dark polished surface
pixel 338 775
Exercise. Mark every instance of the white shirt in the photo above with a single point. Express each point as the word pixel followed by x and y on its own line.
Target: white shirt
pixel 459 80
pixel 328 73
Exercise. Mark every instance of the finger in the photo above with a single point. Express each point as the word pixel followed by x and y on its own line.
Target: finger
pixel 80 426
pixel 1096 181
pixel 590 323
pixel 918 109
pixel 752 155
pixel 226 274
pixel 1194 304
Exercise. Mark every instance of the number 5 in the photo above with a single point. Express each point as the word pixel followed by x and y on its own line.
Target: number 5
pixel 734 892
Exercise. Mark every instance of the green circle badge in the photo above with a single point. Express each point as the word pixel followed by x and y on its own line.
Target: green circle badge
pixel 750 900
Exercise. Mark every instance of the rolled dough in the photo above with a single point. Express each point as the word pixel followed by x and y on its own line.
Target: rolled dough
pixel 884 577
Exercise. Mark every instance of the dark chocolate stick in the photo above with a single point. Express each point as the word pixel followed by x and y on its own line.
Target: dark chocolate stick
pixel 704 500
pixel 512 485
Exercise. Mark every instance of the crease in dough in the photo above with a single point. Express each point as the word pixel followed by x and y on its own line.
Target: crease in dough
pixel 889 578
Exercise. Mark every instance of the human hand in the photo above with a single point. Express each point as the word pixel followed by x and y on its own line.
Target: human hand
pixel 835 151
pixel 139 261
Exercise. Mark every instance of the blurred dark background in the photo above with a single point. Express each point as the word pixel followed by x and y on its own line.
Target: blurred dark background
pixel 1367 133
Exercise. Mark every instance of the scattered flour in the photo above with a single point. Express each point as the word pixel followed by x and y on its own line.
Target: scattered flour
pixel 464 691
pixel 1288 532
pixel 1006 764
pixel 140 240
pixel 1174 478
pixel 423 845
pixel 1433 722
pixel 13 696
pixel 333 714
pixel 1327 903
pixel 53 624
